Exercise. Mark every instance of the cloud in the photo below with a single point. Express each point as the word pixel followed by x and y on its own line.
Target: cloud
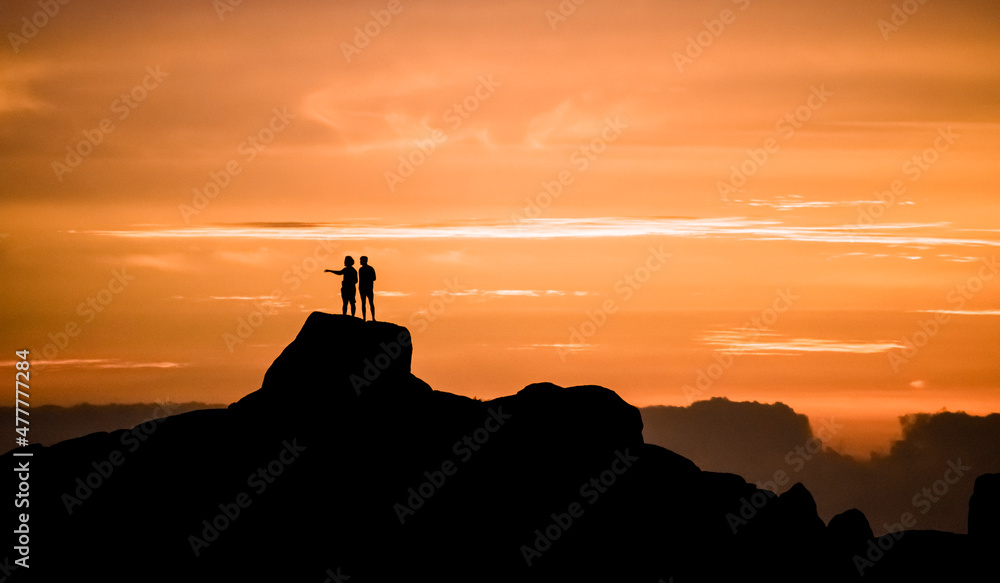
pixel 738 341
pixel 244 257
pixel 99 363
pixel 797 202
pixel 768 443
pixel 562 348
pixel 491 294
pixel 171 262
pixel 269 300
pixel 456 257
pixel 914 235
pixel 962 312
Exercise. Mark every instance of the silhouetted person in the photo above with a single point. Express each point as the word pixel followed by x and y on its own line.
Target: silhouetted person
pixel 347 290
pixel 366 284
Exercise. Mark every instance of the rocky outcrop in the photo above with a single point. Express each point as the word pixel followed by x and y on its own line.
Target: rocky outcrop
pixel 343 464
pixel 984 509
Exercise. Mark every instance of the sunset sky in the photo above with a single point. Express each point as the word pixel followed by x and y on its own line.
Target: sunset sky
pixel 775 201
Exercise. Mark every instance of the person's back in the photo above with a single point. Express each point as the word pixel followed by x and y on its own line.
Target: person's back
pixel 366 277
pixel 366 285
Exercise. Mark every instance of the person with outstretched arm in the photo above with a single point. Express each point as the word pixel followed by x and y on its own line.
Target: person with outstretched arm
pixel 366 285
pixel 347 289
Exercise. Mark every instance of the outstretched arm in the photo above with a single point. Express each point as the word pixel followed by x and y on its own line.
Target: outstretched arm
pixel 341 272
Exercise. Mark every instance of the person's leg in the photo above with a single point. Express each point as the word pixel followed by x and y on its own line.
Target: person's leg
pixel 366 296
pixel 371 300
pixel 363 315
pixel 353 307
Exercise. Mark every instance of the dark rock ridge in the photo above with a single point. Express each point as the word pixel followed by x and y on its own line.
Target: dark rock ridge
pixel 343 464
pixel 984 509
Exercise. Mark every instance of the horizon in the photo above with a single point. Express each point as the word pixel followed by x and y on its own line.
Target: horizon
pixel 762 202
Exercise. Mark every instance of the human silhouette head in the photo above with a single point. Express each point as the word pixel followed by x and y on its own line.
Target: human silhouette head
pixel 364 260
pixel 348 260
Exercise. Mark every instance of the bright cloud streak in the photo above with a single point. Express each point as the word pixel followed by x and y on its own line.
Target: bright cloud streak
pixel 739 341
pixel 269 299
pixel 962 312
pixel 556 346
pixel 499 293
pixel 98 363
pixel 925 235
pixel 795 202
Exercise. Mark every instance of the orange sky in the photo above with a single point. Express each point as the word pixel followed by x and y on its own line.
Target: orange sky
pixel 590 198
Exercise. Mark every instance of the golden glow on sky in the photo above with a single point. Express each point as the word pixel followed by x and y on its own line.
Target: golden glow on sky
pixel 621 195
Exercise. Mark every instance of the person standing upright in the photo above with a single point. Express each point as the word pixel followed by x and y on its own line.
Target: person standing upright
pixel 347 289
pixel 366 284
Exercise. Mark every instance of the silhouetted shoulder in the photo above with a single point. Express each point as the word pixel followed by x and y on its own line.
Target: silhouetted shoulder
pixel 366 274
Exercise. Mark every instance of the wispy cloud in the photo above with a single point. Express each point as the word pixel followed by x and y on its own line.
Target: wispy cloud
pixel 502 293
pixel 864 255
pixel 271 300
pixel 175 262
pixel 961 312
pixel 562 347
pixel 958 258
pixel 99 363
pixel 917 235
pixel 767 343
pixel 796 202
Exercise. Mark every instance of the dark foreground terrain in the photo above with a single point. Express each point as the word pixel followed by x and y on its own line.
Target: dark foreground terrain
pixel 343 466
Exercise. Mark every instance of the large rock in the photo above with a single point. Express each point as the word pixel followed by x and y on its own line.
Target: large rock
pixel 984 509
pixel 850 529
pixel 345 463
